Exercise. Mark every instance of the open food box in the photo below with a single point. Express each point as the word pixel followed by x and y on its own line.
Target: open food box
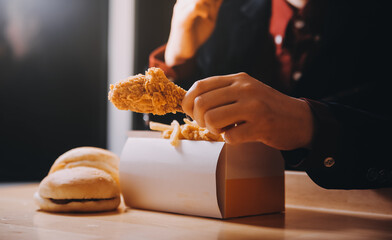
pixel 202 178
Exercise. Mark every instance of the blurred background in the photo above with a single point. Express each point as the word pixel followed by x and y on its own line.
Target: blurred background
pixel 57 59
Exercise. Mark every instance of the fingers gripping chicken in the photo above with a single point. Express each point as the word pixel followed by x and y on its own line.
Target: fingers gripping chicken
pixel 149 93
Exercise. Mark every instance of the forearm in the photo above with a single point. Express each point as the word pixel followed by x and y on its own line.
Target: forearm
pixel 192 24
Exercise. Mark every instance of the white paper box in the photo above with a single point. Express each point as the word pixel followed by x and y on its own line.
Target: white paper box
pixel 201 178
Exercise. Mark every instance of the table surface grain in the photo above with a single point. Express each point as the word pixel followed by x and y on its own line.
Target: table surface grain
pixel 21 219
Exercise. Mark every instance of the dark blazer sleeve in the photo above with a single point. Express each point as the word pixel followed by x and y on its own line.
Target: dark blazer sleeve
pixel 349 150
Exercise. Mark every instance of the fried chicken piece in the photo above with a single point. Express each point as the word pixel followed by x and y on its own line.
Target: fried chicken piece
pixel 150 93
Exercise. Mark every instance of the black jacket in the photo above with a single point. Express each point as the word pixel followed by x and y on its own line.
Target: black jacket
pixel 345 83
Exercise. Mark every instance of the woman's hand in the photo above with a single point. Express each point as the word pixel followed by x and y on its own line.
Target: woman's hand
pixel 192 24
pixel 247 110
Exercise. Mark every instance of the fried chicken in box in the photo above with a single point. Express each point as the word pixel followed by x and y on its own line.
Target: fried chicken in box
pixel 190 130
pixel 149 93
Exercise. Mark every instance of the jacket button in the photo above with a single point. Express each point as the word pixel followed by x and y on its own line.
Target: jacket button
pixel 299 24
pixel 329 162
pixel 372 174
pixel 297 76
pixel 382 176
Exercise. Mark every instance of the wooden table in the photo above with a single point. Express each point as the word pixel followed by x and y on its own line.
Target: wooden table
pixel 20 219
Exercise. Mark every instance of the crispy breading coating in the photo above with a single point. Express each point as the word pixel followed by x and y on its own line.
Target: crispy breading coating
pixel 149 93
